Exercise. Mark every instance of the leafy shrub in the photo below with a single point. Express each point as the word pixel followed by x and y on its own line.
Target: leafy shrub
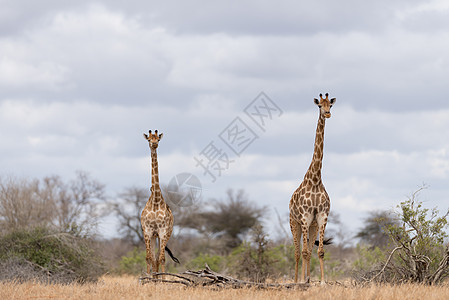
pixel 368 257
pixel 43 255
pixel 419 253
pixel 133 263
pixel 213 261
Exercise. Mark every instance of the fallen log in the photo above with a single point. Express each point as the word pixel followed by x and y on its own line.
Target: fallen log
pixel 209 278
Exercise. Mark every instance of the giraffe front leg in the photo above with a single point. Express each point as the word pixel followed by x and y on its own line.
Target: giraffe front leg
pixel 296 231
pixel 306 254
pixel 150 259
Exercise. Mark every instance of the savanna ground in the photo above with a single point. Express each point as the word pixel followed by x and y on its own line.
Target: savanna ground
pixel 128 287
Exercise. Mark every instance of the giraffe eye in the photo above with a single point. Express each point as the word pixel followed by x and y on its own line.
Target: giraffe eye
pixel 319 106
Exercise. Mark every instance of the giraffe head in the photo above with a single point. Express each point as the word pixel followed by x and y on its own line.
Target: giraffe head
pixel 153 139
pixel 325 105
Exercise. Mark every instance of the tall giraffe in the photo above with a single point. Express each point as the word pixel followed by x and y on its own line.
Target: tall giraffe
pixel 310 203
pixel 156 218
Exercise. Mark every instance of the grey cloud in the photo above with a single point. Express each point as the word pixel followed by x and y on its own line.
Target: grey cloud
pixel 244 17
pixel 265 17
pixel 109 53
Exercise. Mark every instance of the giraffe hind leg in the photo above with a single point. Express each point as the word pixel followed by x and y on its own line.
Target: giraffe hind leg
pixel 306 254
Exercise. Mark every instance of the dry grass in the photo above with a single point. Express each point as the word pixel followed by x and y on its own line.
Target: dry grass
pixel 129 288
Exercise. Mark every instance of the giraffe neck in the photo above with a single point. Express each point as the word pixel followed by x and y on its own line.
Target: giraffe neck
pixel 314 172
pixel 155 188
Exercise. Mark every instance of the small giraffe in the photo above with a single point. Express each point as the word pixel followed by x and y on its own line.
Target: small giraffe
pixel 156 218
pixel 310 203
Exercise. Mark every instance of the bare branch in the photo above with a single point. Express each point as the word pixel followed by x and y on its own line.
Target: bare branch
pixel 388 261
pixel 207 277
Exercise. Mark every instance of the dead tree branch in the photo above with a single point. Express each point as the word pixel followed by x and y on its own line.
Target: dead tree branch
pixel 386 264
pixel 209 278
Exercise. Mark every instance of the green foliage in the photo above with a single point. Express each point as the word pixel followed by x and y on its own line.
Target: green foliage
pixel 133 262
pixel 253 261
pixel 420 238
pixel 215 262
pixel 420 226
pixel 334 269
pixel 50 256
pixel 245 263
pixel 368 257
pixel 260 259
pixel 227 220
pixel 283 258
pixel 419 253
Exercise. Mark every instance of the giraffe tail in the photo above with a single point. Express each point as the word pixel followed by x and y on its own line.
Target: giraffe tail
pixel 171 255
pixel 327 241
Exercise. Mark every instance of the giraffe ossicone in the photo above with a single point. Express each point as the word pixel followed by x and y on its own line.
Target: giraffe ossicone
pixel 310 204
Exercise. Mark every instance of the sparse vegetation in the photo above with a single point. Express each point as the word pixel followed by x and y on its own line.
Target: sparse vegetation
pixel 47 256
pixel 133 263
pixel 46 226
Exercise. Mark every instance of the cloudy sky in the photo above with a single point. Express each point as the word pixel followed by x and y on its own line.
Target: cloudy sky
pixel 80 81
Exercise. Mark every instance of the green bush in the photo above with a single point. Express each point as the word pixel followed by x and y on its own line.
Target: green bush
pixel 283 258
pixel 368 257
pixel 215 262
pixel 48 256
pixel 418 252
pixel 133 263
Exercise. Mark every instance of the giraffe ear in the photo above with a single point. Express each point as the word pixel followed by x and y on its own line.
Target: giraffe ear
pixel 160 136
pixel 333 100
pixel 145 136
pixel 317 102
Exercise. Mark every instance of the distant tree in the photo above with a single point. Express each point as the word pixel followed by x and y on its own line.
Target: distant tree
pixel 21 206
pixel 233 217
pixel 50 202
pixel 375 229
pixel 227 219
pixel 127 208
pixel 76 202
